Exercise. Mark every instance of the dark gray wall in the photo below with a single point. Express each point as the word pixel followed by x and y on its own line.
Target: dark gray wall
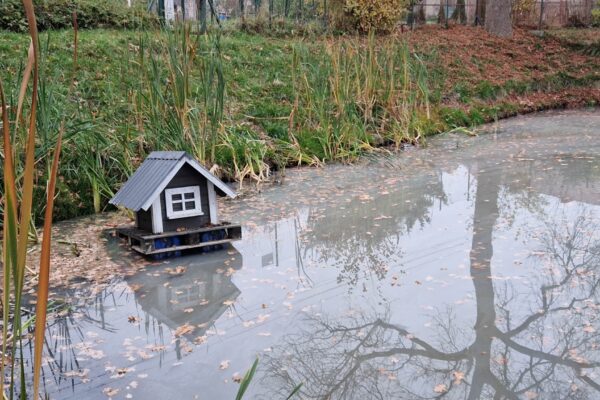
pixel 144 220
pixel 187 176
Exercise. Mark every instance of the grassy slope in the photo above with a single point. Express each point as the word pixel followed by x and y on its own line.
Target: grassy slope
pixel 472 69
pixel 473 77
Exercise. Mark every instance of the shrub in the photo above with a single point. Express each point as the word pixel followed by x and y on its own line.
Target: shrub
pixel 380 16
pixel 596 17
pixel 57 14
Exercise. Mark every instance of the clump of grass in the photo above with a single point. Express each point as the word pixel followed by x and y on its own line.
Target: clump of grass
pixel 358 95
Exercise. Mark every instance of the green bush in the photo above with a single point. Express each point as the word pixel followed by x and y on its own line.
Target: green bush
pixel 380 16
pixel 596 17
pixel 57 14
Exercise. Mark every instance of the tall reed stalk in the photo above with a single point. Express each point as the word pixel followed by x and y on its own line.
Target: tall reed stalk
pixel 19 171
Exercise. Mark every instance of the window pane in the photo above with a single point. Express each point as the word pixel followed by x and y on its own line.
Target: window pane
pixel 190 205
pixel 176 197
pixel 189 196
pixel 177 207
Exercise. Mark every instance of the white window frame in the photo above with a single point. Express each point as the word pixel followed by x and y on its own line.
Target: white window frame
pixel 197 210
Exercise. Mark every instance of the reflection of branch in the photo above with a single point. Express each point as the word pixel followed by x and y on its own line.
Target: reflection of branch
pixel 352 358
pixel 545 356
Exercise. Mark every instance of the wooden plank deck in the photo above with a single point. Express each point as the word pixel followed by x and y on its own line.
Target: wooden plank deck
pixel 144 242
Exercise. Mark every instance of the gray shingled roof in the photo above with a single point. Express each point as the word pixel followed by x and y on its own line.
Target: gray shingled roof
pixel 154 174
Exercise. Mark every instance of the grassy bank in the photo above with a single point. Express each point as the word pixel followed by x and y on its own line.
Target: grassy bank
pixel 248 104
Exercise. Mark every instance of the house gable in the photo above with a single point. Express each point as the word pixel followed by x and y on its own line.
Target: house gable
pixel 185 177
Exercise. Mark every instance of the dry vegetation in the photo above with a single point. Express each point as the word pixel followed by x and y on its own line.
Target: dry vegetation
pixel 471 55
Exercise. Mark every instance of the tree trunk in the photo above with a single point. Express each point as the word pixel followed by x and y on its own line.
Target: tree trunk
pixel 588 6
pixel 498 19
pixel 480 12
pixel 459 14
pixel 441 17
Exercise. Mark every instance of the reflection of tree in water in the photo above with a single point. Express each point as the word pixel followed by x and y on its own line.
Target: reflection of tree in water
pixel 363 238
pixel 548 351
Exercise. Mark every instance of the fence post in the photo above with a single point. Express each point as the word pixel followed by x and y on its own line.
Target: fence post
pixel 541 15
pixel 161 10
pixel 202 12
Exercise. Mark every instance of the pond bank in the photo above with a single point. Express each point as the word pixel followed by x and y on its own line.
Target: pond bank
pixel 457 77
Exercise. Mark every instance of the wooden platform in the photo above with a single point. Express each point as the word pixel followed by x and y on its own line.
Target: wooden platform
pixel 148 243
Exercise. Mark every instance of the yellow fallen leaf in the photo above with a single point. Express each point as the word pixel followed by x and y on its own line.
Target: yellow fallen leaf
pixel 184 330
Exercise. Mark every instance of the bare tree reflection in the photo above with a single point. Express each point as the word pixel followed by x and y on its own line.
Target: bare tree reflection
pixel 363 244
pixel 549 351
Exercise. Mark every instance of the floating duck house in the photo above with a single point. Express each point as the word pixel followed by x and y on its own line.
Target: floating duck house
pixel 175 203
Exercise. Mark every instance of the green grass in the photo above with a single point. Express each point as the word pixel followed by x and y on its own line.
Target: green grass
pixel 248 103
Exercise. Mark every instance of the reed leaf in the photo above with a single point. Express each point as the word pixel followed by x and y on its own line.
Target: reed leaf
pixel 9 244
pixel 24 83
pixel 28 174
pixel 245 383
pixel 44 272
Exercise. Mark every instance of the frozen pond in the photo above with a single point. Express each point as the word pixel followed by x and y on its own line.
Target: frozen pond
pixel 465 270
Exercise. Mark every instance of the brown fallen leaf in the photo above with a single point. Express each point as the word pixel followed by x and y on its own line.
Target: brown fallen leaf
pixel 184 330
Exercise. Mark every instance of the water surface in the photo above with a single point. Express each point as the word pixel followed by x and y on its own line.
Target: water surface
pixel 465 270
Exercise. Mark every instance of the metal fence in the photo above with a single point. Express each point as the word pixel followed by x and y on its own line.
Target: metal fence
pixel 533 13
pixel 529 13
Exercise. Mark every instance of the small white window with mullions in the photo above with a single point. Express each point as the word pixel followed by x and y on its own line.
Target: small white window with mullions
pixel 183 202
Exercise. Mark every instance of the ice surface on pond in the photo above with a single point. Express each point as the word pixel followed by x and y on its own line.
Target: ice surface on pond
pixel 469 268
